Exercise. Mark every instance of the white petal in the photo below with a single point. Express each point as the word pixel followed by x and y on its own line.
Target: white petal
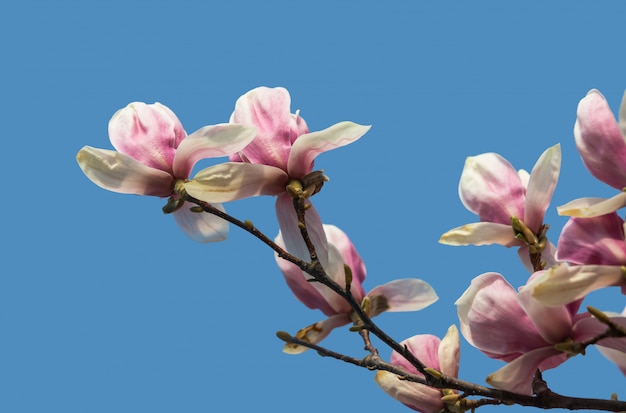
pixel 230 181
pixel 592 207
pixel 120 173
pixel 306 148
pixel 201 226
pixel 563 284
pixel 480 233
pixel 210 142
pixel 543 179
pixel 408 294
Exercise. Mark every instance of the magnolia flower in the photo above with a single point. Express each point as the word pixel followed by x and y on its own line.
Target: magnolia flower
pixel 399 295
pixel 492 189
pixel 601 142
pixel 442 355
pixel 596 247
pixel 284 145
pixel 154 153
pixel 516 328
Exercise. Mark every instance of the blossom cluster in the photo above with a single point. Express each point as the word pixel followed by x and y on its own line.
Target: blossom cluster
pixel 266 150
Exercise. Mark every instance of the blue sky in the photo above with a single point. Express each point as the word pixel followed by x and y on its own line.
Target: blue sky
pixel 105 306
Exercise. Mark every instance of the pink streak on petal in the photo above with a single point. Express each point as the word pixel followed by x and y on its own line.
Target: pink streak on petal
pixel 210 142
pixel 201 227
pixel 493 321
pixel 268 110
pixel 553 323
pixel 517 376
pixel 596 240
pixel 120 173
pixel 541 185
pixel 147 133
pixel 423 346
pixel 491 188
pixel 600 141
pixel 301 288
pixel 307 147
pixel 351 257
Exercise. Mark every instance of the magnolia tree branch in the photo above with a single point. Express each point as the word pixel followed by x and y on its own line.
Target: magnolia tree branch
pixel 545 398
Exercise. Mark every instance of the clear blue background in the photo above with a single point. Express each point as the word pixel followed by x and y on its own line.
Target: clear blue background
pixel 105 306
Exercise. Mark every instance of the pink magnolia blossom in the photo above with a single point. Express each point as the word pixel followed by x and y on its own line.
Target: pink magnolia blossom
pixel 154 153
pixel 601 142
pixel 399 295
pixel 442 355
pixel 596 248
pixel 492 189
pixel 284 144
pixel 518 329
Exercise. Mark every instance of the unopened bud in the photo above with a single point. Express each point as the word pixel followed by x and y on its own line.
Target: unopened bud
pixel 173 205
pixel 284 336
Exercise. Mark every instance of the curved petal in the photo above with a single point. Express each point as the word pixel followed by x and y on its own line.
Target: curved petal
pixel 450 352
pixel 492 320
pixel 200 226
pixel 615 356
pixel 563 284
pixel 491 188
pixel 148 133
pixel 350 255
pixel 268 111
pixel 480 233
pixel 210 142
pixel 288 223
pixel 541 184
pixel 409 294
pixel 297 282
pixel 413 395
pixel 306 148
pixel 553 323
pixel 316 332
pixel 595 240
pixel 231 181
pixel 600 141
pixel 592 207
pixel 120 173
pixel 517 376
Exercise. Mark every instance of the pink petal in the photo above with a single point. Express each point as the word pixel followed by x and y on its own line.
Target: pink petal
pixel 541 184
pixel 120 173
pixel 493 321
pixel 553 323
pixel 200 226
pixel 592 207
pixel 300 287
pixel 596 240
pixel 491 188
pixel 231 181
pixel 210 142
pixel 517 376
pixel 351 257
pixel 307 147
pixel 147 133
pixel 480 233
pixel 268 111
pixel 408 294
pixel 600 141
pixel 288 223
